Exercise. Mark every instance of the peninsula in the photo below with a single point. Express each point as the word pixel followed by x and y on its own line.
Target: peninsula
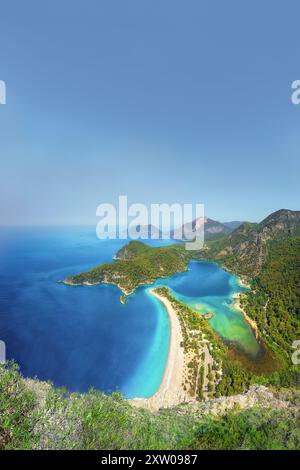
pixel 134 265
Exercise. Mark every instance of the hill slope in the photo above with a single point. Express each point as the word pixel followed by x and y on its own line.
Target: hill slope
pixel 274 302
pixel 268 254
pixel 245 250
pixel 34 415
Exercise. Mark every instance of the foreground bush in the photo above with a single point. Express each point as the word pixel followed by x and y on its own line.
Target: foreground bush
pixel 17 411
pixel 42 417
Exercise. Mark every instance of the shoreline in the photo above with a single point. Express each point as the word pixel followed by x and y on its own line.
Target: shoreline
pixel 125 293
pixel 236 304
pixel 244 282
pixel 67 282
pixel 170 392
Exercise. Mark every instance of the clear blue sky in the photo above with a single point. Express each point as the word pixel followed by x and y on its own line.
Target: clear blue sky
pixel 165 101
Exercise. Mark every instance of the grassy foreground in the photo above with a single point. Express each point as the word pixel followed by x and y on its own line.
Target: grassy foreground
pixel 35 415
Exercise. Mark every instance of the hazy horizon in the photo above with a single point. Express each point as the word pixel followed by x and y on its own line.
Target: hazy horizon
pixel 93 225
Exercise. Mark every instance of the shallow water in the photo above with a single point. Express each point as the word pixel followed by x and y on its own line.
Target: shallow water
pixel 207 288
pixel 82 337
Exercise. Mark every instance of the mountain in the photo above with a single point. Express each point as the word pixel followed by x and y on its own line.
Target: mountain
pixel 232 225
pixel 245 249
pixel 212 229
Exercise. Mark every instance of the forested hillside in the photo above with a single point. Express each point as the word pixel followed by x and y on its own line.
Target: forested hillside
pixel 245 250
pixel 274 302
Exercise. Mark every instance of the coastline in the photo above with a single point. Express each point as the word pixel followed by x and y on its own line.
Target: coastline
pixel 170 392
pixel 237 305
pixel 125 293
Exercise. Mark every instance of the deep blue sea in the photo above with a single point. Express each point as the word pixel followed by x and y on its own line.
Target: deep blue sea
pixel 82 337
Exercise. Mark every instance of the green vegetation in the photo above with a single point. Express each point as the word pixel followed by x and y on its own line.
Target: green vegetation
pixel 234 380
pixel 274 302
pixel 255 429
pixel 17 415
pixel 136 264
pixel 244 251
pixel 35 415
pixel 268 255
pixel 201 381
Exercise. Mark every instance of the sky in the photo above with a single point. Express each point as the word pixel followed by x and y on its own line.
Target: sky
pixel 163 101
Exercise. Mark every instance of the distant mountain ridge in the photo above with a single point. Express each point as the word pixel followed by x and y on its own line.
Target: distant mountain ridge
pixel 212 228
pixel 245 249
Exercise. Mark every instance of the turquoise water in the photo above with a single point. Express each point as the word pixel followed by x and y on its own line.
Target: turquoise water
pixel 206 287
pixel 82 337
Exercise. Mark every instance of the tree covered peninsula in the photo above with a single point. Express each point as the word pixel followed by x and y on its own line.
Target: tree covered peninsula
pixel 135 264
